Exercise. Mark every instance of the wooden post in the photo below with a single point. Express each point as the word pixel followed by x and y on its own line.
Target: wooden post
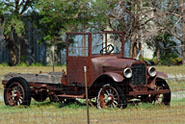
pixel 86 94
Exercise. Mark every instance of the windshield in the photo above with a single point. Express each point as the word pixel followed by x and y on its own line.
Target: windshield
pixel 100 43
pixel 107 43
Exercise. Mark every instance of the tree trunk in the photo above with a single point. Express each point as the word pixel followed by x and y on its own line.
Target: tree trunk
pixel 13 52
pixel 14 49
pixel 158 52
pixel 181 3
pixel 130 54
pixel 58 56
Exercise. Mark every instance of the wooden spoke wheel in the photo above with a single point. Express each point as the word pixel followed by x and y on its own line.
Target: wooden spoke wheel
pixel 161 98
pixel 110 97
pixel 17 92
pixel 164 98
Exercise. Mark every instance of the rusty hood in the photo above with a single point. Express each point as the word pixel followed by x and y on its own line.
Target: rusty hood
pixel 113 62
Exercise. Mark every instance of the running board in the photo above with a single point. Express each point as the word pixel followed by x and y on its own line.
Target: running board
pixel 72 96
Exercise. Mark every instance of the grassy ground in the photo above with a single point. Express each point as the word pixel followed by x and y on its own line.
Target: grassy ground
pixel 55 113
pixel 172 70
pixel 50 113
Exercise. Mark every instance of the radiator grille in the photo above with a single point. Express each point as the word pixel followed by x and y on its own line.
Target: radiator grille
pixel 139 74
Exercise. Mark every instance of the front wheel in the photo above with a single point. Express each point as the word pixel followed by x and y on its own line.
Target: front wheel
pixel 111 96
pixel 164 98
pixel 17 92
pixel 160 98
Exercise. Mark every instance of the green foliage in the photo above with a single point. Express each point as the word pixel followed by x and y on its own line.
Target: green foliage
pixel 12 14
pixel 22 64
pixel 37 64
pixel 175 61
pixel 168 52
pixel 23 59
pixel 4 64
pixel 13 22
pixel 60 16
pixel 55 18
pixel 151 60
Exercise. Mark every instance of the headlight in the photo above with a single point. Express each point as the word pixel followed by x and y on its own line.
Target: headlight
pixel 152 71
pixel 127 72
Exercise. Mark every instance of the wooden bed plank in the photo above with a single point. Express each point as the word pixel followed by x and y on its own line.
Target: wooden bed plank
pixel 48 78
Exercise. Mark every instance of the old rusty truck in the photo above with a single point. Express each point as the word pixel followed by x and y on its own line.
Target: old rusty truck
pixel 113 80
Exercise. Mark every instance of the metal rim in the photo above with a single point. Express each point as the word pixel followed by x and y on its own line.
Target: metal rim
pixel 158 98
pixel 15 94
pixel 108 96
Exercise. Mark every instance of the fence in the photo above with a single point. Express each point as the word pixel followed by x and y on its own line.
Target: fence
pixel 75 113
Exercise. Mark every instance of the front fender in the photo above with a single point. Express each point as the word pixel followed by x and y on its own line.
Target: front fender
pixel 161 75
pixel 115 76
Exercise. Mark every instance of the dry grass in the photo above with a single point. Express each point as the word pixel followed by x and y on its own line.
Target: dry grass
pixel 54 113
pixel 29 69
pixel 172 70
pixel 75 114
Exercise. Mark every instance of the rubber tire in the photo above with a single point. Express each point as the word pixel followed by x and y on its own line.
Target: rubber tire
pixel 123 98
pixel 27 100
pixel 167 96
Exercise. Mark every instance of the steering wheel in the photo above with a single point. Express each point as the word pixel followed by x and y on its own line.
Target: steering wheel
pixel 107 50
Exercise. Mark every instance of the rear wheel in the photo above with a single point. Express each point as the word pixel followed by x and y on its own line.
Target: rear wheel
pixel 111 96
pixel 17 92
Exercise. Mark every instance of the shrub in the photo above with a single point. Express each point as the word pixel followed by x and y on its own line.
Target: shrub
pixel 37 64
pixel 4 64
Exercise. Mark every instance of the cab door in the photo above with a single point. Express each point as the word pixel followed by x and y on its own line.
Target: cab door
pixel 78 55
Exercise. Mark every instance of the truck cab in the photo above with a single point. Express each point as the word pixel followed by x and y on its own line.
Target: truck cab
pixel 109 73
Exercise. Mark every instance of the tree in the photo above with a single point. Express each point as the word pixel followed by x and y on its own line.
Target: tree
pixel 143 20
pixel 182 15
pixel 128 16
pixel 168 18
pixel 55 18
pixel 11 19
pixel 164 48
pixel 60 16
